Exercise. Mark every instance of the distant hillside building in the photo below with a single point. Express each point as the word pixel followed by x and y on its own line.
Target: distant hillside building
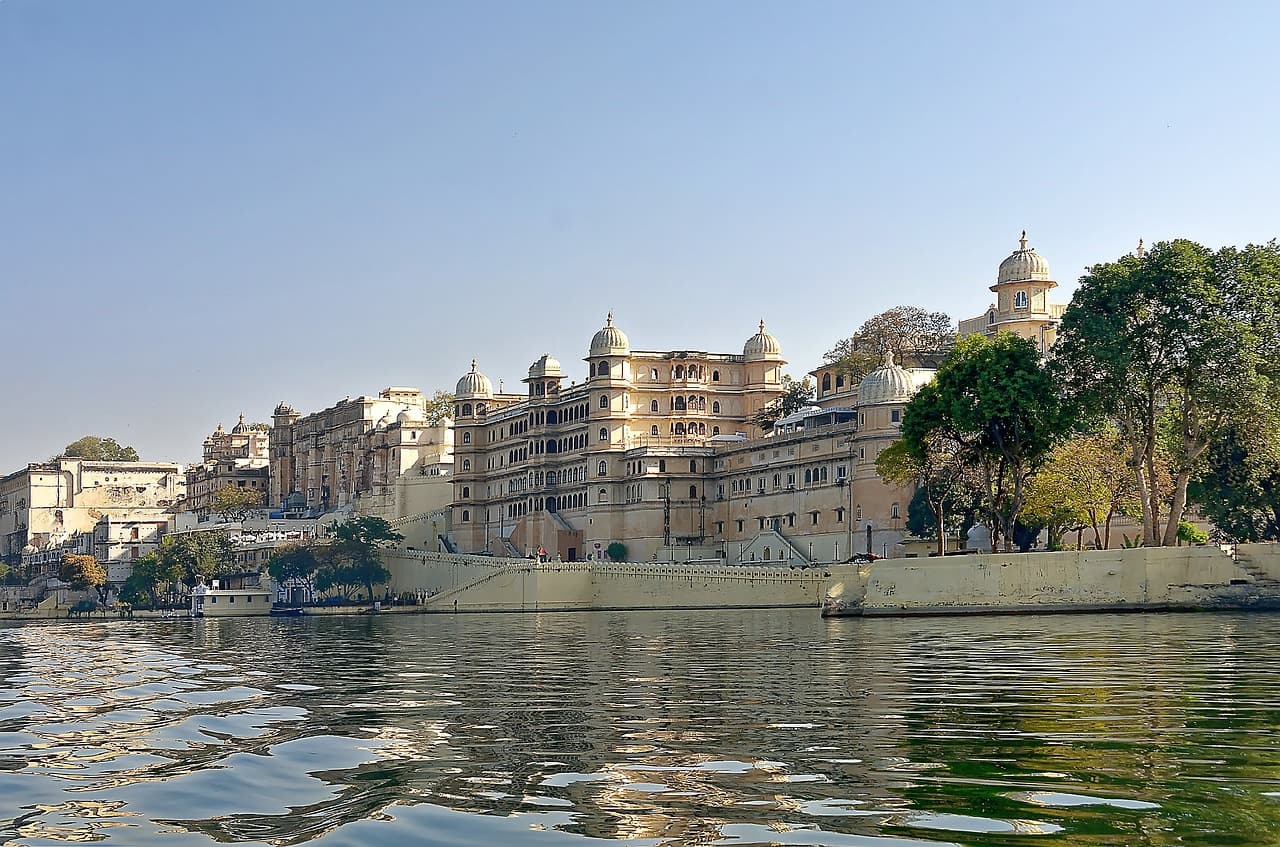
pixel 239 458
pixel 372 455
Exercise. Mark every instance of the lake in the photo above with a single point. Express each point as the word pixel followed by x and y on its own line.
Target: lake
pixel 643 728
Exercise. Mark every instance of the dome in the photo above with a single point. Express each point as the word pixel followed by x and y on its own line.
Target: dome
pixel 384 421
pixel 473 385
pixel 610 341
pixel 241 428
pixel 1023 265
pixel 545 366
pixel 762 345
pixel 410 415
pixel 889 383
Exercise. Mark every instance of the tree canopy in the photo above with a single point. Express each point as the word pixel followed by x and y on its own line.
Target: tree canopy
pixel 196 557
pixel 439 408
pixel 1238 488
pixel 236 503
pixel 1173 346
pixel 914 336
pixel 354 555
pixel 99 449
pixel 794 397
pixel 998 408
pixel 84 573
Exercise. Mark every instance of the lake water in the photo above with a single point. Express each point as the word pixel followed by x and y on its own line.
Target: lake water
pixel 664 728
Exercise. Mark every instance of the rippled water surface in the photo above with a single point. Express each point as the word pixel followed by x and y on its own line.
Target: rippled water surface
pixel 709 728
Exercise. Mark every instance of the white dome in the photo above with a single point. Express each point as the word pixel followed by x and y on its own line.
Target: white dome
pixel 384 421
pixel 410 415
pixel 1023 265
pixel 762 345
pixel 610 341
pixel 889 383
pixel 545 366
pixel 473 385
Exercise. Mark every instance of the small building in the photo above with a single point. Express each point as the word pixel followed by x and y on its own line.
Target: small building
pixel 215 601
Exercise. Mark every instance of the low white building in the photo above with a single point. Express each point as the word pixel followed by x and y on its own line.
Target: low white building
pixel 214 601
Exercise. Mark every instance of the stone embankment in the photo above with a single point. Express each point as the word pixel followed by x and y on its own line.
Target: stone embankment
pixel 1144 579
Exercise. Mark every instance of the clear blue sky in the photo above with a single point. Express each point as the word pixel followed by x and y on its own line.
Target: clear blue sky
pixel 206 208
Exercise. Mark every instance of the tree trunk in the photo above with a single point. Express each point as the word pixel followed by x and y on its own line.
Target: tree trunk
pixel 942 529
pixel 1176 508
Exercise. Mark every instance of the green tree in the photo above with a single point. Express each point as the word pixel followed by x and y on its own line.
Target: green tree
pixel 1085 482
pixel 439 408
pixel 1191 534
pixel 998 408
pixel 794 397
pixel 617 551
pixel 293 564
pixel 355 553
pixel 1173 346
pixel 912 334
pixel 196 557
pixel 84 573
pixel 235 503
pixel 943 483
pixel 99 449
pixel 148 576
pixel 1238 488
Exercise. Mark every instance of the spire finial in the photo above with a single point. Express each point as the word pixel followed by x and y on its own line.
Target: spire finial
pixel 242 418
pixel 888 357
pixel 1141 251
pixel 608 321
pixel 762 325
pixel 473 365
pixel 1023 240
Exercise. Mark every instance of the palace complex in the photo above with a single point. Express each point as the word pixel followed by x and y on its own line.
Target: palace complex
pixel 656 449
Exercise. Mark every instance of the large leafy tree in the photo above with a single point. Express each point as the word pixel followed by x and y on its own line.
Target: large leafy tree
pixel 794 397
pixel 196 556
pixel 913 335
pixel 944 483
pixel 1085 483
pixel 148 576
pixel 1238 488
pixel 355 554
pixel 1173 346
pixel 236 503
pixel 293 564
pixel 439 408
pixel 84 573
pixel 99 449
pixel 998 408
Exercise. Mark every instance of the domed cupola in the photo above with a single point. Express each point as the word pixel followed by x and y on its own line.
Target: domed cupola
pixel 1023 265
pixel 761 346
pixel 241 428
pixel 889 383
pixel 474 386
pixel 410 415
pixel 545 367
pixel 609 341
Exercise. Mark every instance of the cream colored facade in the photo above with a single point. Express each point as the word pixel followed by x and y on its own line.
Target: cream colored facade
pixel 1022 303
pixel 52 506
pixel 655 450
pixel 371 455
pixel 240 458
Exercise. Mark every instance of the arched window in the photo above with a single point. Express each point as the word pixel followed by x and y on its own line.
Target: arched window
pixel 678 405
pixel 895 513
pixel 840 381
pixel 715 376
pixel 715 430
pixel 991 318
pixel 702 429
pixel 679 372
pixel 466 515
pixel 466 464
pixel 466 410
pixel 715 407
pixel 777 480
pixel 602 496
pixel 602 468
pixel 693 466
pixel 653 405
pixel 826 383
pixel 653 430
pixel 766 554
pixel 679 429
pixel 604 434
pixel 693 492
pixel 808 475
pixel 551 416
pixel 480 409
pixel 1020 300
pixel 466 438
pixel 466 492
pixel 653 374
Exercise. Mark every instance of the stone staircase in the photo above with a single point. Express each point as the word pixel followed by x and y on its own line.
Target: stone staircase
pixel 1259 574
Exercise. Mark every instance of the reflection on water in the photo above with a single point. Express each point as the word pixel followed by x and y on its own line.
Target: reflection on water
pixel 713 728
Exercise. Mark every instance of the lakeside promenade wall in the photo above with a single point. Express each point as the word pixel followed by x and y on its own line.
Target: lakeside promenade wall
pixel 1089 580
